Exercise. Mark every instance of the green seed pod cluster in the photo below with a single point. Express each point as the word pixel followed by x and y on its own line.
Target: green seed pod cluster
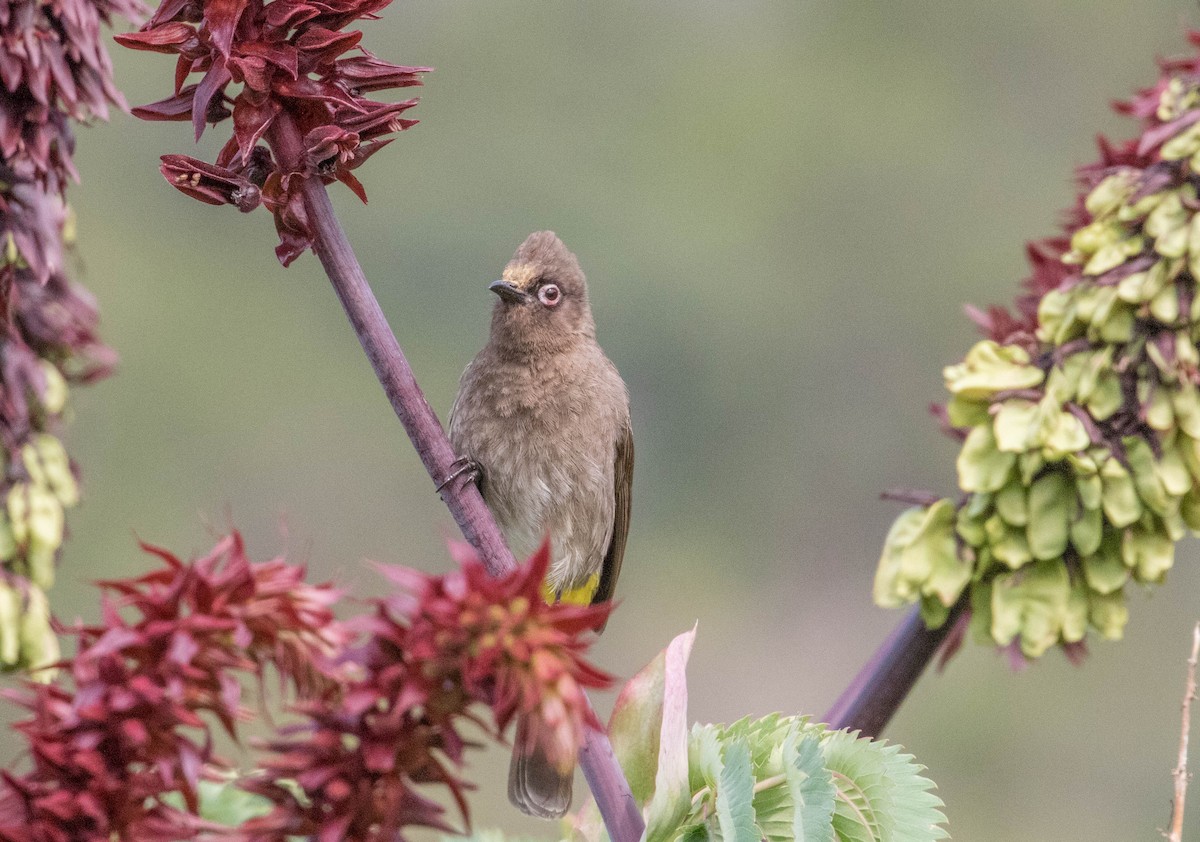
pixel 49 339
pixel 1080 415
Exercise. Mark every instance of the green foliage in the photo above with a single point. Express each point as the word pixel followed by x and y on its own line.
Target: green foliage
pixel 1081 419
pixel 778 778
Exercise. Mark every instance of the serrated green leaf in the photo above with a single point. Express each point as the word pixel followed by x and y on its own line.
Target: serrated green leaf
pixel 881 793
pixel 811 788
pixel 856 774
pixel 735 795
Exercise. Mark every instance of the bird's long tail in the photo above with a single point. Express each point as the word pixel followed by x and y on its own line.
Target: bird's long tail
pixel 535 785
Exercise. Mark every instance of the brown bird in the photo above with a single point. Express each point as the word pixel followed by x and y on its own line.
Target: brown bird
pixel 542 417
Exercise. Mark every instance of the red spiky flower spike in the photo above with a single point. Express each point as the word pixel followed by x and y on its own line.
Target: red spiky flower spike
pixel 271 64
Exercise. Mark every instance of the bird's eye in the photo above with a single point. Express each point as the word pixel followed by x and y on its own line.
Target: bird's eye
pixel 549 295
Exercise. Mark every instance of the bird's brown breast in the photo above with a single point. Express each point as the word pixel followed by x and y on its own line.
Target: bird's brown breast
pixel 544 432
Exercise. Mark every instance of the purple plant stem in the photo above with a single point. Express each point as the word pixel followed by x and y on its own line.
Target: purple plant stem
pixel 882 685
pixel 622 818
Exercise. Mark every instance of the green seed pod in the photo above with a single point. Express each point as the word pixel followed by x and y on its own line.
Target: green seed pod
pixel 1051 504
pixel 1031 603
pixel 981 466
pixel 1008 544
pixel 39 644
pixel 1108 614
pixel 1119 498
pixel 56 468
pixel 1086 531
pixel 1015 426
pixel 990 368
pixel 1013 504
pixel 1105 570
pixel 1147 552
pixel 54 396
pixel 1112 193
pixel 10 626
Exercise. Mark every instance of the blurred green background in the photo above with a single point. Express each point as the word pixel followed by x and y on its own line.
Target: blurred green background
pixel 781 208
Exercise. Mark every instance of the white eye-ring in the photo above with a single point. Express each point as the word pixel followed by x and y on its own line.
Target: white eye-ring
pixel 549 295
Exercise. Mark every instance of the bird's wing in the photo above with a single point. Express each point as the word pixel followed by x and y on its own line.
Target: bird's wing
pixel 462 381
pixel 623 492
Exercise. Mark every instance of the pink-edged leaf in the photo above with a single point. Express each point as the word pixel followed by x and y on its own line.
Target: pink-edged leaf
pixel 648 729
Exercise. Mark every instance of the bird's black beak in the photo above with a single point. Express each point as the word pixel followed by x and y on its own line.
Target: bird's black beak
pixel 509 292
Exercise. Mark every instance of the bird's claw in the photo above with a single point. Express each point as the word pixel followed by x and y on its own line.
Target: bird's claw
pixel 461 467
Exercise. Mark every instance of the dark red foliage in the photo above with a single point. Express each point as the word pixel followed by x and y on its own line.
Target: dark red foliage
pixel 45 318
pixel 437 646
pixel 175 644
pixel 53 69
pixel 270 65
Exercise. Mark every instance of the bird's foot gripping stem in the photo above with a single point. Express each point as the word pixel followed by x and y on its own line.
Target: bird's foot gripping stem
pixel 461 467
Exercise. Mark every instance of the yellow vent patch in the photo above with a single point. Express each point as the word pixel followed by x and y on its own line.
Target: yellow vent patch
pixel 581 595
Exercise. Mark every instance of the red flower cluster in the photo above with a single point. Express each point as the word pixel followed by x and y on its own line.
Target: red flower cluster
pixel 53 69
pixel 297 93
pixel 437 646
pixel 175 644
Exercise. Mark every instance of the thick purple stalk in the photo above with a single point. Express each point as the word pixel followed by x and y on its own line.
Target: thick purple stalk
pixel 882 685
pixel 613 797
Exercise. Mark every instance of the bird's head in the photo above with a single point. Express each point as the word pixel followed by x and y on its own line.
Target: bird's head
pixel 543 304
